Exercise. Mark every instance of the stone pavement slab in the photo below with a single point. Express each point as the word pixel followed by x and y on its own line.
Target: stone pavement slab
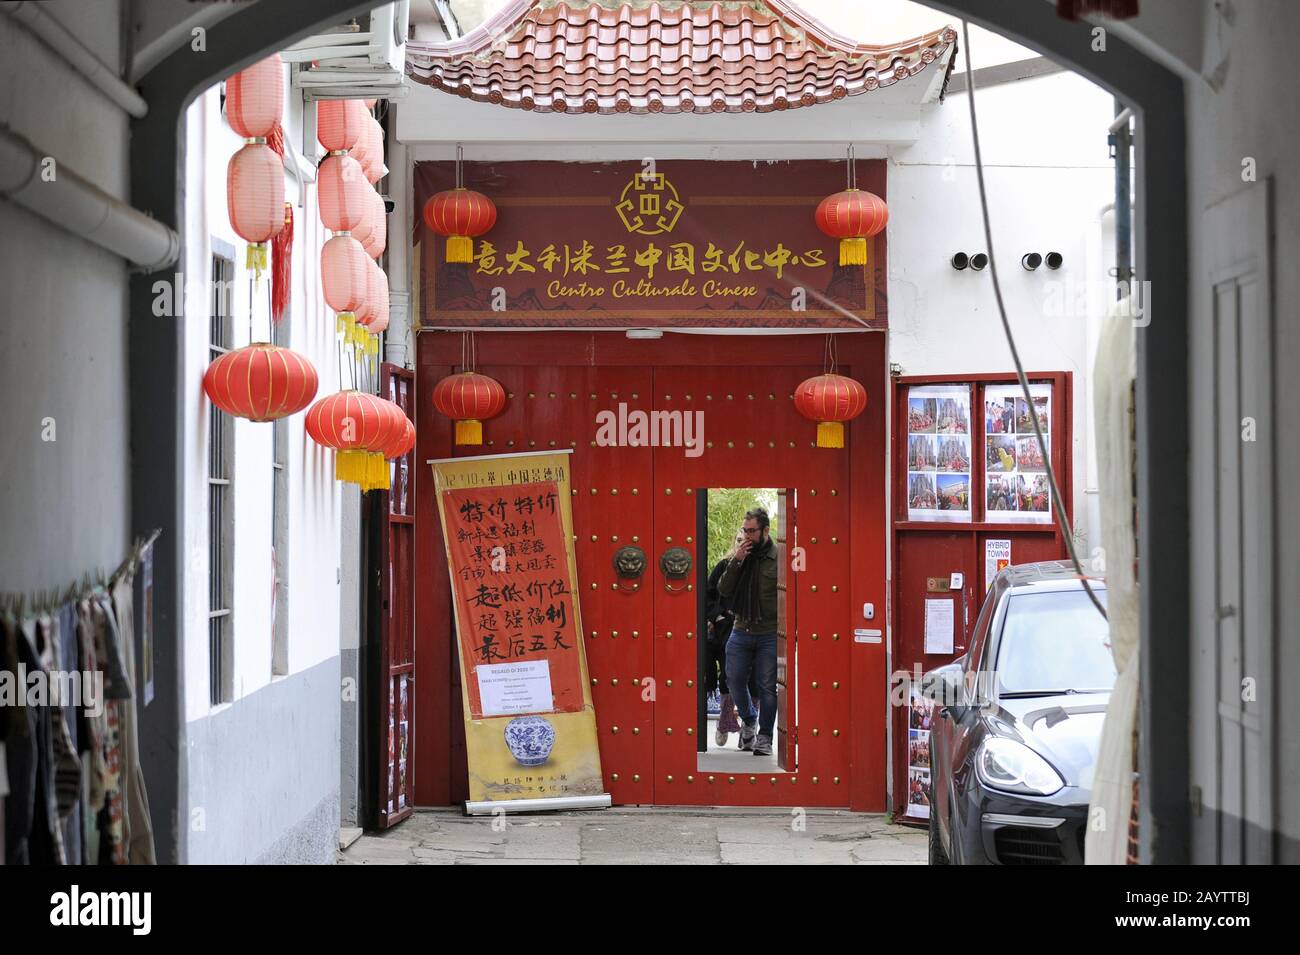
pixel 643 836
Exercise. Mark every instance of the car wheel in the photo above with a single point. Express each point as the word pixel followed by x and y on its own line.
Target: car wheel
pixel 937 855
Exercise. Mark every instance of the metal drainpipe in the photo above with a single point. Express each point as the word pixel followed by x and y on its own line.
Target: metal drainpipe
pixel 1121 143
pixel 398 337
pixel 97 73
pixel 82 208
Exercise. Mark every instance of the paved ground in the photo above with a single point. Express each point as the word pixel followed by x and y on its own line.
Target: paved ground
pixel 643 836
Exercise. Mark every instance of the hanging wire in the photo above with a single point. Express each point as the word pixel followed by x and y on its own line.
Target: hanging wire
pixel 460 171
pixel 852 172
pixel 44 601
pixel 1062 520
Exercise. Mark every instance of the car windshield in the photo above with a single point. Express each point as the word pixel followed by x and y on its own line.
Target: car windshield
pixel 1054 642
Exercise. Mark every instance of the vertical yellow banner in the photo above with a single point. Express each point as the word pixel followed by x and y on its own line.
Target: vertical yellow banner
pixel 530 725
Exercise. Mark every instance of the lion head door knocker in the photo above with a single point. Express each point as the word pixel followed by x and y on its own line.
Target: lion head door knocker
pixel 629 564
pixel 675 562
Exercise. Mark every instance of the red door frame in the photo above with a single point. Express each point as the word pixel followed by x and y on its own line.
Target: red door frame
pixel 942 532
pixel 396 619
pixel 440 768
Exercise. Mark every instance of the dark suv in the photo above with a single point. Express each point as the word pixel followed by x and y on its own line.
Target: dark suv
pixel 1019 721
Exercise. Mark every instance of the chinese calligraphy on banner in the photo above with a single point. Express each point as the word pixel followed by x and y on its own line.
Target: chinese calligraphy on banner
pixel 530 726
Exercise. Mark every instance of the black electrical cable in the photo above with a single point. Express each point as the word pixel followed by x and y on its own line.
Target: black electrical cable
pixel 1059 505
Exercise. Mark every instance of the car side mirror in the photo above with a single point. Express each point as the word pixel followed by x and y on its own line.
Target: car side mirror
pixel 942 686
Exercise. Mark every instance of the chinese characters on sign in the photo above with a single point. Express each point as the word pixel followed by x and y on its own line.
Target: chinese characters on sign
pixel 676 265
pixel 514 595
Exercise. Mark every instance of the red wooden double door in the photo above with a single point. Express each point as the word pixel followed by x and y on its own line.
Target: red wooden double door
pixel 642 638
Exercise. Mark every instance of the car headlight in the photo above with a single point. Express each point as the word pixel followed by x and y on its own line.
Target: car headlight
pixel 1011 766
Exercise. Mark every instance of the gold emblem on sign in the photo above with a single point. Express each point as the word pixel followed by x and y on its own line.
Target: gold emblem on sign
pixel 649 204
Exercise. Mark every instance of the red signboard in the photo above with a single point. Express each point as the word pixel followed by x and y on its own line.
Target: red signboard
pixel 514 595
pixel 683 243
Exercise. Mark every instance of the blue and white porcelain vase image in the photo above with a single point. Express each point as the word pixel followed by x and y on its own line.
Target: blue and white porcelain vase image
pixel 530 739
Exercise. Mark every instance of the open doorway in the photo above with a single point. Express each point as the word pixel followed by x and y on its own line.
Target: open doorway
pixel 745 674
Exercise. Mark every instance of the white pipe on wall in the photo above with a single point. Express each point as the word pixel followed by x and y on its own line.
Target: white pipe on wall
pixel 397 341
pixel 42 184
pixel 75 53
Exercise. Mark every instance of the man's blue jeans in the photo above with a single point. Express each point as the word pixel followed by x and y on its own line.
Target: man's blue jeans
pixel 753 653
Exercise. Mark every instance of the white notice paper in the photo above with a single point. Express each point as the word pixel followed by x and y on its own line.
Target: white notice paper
pixel 938 625
pixel 515 688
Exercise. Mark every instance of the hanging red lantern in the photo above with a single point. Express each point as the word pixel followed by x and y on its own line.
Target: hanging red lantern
pixel 255 98
pixel 403 444
pixel 372 231
pixel 830 399
pixel 255 199
pixel 376 300
pixel 343 273
pixel 852 216
pixel 356 425
pixel 342 193
pixel 260 382
pixel 339 123
pixel 460 214
pixel 374 165
pixel 469 398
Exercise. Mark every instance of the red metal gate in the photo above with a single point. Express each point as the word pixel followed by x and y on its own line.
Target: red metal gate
pixel 642 641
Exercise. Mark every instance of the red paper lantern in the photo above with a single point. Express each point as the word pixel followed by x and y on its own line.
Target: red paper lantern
pixel 357 425
pixel 469 398
pixel 460 214
pixel 373 164
pixel 342 193
pixel 339 123
pixel 851 216
pixel 829 400
pixel 403 444
pixel 376 302
pixel 255 98
pixel 343 273
pixel 260 382
pixel 372 232
pixel 255 198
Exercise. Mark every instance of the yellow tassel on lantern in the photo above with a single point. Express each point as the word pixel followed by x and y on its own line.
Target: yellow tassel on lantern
pixel 376 473
pixel 350 466
pixel 372 345
pixel 830 434
pixel 258 258
pixel 460 248
pixel 341 323
pixel 853 251
pixel 469 431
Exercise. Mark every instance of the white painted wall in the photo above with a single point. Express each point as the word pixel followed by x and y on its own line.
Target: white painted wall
pixel 1252 112
pixel 1048 176
pixel 66 503
pixel 250 803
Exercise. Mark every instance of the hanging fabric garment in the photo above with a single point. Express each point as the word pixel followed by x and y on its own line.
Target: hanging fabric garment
pixel 70 659
pixel 112 821
pixel 139 838
pixel 95 725
pixel 67 764
pixel 32 835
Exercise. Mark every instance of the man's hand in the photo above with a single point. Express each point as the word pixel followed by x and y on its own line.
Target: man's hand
pixel 743 550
